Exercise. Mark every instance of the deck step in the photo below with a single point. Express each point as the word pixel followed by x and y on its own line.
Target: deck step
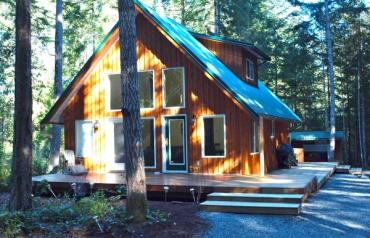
pixel 256 197
pixel 343 169
pixel 252 207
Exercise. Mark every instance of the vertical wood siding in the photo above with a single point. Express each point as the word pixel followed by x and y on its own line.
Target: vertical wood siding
pixel 235 57
pixel 203 97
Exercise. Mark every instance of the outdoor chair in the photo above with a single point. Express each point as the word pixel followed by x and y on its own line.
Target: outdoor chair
pixel 70 164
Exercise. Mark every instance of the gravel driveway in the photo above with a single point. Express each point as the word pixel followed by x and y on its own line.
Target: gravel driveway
pixel 340 209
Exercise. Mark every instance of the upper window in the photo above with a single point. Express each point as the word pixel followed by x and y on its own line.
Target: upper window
pixel 115 102
pixel 174 88
pixel 250 70
pixel 214 136
pixel 254 136
pixel 146 90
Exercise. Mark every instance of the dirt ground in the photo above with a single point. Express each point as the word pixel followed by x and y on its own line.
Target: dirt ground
pixel 183 221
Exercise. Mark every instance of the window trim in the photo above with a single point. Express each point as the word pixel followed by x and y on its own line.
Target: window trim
pixel 163 138
pixel 255 139
pixel 108 91
pixel 247 74
pixel 164 88
pixel 203 136
pixel 92 138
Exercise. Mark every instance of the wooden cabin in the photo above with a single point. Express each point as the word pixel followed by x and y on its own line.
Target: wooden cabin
pixel 315 145
pixel 203 108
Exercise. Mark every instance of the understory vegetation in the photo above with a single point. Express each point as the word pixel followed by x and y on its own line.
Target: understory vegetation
pixel 66 216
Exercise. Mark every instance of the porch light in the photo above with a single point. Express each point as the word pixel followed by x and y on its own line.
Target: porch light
pixel 166 189
pixel 192 191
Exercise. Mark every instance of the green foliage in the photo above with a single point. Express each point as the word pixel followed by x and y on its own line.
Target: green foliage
pixel 11 223
pixel 95 205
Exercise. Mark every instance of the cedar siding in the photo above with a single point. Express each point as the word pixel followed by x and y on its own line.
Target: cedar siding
pixel 202 97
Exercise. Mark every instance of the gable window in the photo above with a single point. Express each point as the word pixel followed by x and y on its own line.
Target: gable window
pixel 254 136
pixel 146 90
pixel 250 70
pixel 272 128
pixel 174 87
pixel 84 138
pixel 214 136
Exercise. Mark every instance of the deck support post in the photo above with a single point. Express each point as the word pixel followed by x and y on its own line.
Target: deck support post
pixel 261 147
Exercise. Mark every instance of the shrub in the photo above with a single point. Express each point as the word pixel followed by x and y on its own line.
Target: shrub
pixel 95 205
pixel 11 223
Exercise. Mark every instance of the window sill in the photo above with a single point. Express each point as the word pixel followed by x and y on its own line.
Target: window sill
pixel 214 157
pixel 255 153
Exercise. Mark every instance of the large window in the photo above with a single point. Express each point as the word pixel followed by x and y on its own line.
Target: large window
pixel 84 138
pixel 146 90
pixel 250 70
pixel 214 136
pixel 254 136
pixel 174 87
pixel 148 133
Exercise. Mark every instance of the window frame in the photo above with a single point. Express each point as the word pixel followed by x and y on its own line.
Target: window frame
pixel 77 135
pixel 164 88
pixel 108 91
pixel 255 138
pixel 253 73
pixel 223 116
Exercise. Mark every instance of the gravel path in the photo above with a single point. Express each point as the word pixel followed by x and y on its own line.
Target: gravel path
pixel 340 209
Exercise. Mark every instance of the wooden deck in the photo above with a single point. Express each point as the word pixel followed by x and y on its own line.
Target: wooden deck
pixel 303 179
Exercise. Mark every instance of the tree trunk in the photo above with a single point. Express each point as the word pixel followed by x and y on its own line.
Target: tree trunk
pixel 183 12
pixel 21 178
pixel 134 158
pixel 329 49
pixel 324 72
pixel 217 17
pixel 56 131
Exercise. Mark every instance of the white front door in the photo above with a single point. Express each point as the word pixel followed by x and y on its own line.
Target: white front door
pixel 114 145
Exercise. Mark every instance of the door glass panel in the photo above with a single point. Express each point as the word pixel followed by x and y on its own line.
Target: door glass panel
pixel 176 136
pixel 118 142
pixel 84 138
pixel 147 129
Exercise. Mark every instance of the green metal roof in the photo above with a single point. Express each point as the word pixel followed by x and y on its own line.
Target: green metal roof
pixel 260 101
pixel 314 135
